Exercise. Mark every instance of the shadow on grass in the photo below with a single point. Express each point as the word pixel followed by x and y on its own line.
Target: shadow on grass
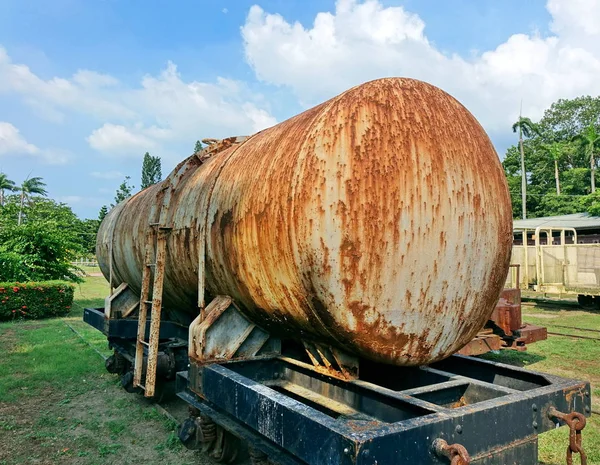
pixel 513 357
pixel 556 306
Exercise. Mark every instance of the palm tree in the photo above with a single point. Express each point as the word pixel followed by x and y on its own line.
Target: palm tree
pixel 590 138
pixel 30 186
pixel 5 184
pixel 556 151
pixel 526 128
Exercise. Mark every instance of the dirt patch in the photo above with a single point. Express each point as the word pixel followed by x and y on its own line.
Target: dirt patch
pixel 95 274
pixel 9 340
pixel 107 426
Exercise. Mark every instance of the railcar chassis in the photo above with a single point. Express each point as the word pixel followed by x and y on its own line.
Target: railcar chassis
pixel 292 411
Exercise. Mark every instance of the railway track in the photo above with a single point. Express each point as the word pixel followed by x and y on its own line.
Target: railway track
pixel 565 305
pixel 545 303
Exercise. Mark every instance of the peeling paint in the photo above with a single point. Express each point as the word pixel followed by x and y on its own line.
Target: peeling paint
pixel 379 222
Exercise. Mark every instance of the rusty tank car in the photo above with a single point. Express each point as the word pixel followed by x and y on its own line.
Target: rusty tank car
pixel 378 222
pixel 307 286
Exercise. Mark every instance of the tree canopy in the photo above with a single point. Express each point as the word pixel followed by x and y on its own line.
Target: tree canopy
pixel 560 153
pixel 151 170
pixel 43 246
pixel 123 192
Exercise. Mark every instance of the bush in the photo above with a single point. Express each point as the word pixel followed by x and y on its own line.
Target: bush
pixel 35 300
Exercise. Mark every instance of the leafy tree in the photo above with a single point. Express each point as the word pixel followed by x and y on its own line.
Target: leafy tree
pixel 30 186
pixel 43 246
pixel 103 212
pixel 526 128
pixel 555 161
pixel 5 185
pixel 590 138
pixel 198 147
pixel 123 192
pixel 556 152
pixel 151 170
pixel 567 118
pixel 86 231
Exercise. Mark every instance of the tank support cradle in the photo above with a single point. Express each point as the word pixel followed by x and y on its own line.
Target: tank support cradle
pixel 293 411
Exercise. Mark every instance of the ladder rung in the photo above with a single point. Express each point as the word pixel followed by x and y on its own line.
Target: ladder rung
pixel 164 228
pixel 147 301
pixel 150 264
pixel 143 342
pixel 142 386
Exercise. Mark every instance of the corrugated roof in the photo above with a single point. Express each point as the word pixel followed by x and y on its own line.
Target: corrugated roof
pixel 575 220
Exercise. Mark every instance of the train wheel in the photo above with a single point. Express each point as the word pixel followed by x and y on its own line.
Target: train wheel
pixel 226 446
pixel 588 302
pixel 127 383
pixel 258 457
pixel 117 364
pixel 200 432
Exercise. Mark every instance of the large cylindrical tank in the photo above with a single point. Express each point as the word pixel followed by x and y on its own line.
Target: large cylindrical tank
pixel 378 222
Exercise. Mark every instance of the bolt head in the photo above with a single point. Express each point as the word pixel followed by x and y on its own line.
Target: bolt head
pixel 346 451
pixel 534 407
pixel 535 425
pixel 587 409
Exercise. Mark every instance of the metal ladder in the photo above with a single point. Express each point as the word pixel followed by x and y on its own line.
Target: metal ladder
pixel 156 249
pixel 154 269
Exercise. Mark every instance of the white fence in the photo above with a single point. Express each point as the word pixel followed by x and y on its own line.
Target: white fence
pixel 567 268
pixel 85 262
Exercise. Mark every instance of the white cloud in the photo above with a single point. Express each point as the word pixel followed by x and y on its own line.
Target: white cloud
pixel 12 142
pixel 87 91
pixel 117 139
pixel 107 174
pixel 361 41
pixel 81 200
pixel 163 109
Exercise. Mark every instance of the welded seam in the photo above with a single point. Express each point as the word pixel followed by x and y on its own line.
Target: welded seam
pixel 204 232
pixel 111 260
pixel 292 229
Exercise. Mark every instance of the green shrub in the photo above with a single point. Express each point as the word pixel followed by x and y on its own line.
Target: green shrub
pixel 35 300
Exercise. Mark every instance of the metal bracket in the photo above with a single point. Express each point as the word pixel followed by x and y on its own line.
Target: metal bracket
pixel 121 303
pixel 221 333
pixel 218 145
pixel 332 361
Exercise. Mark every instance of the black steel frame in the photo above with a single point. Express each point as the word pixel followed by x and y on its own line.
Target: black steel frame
pixel 127 328
pixel 391 415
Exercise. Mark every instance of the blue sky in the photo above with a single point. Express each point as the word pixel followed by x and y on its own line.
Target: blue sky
pixel 86 87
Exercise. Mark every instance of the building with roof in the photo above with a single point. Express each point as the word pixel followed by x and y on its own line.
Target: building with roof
pixel 586 227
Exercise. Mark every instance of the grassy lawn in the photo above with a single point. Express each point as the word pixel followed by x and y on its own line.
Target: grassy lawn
pixel 567 357
pixel 59 405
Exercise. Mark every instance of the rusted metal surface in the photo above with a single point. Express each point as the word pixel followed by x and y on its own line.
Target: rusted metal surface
pixel 379 222
pixel 532 333
pixel 223 333
pixel 507 313
pixel 576 422
pixel 456 453
pixel 331 361
pixel 484 342
pixel 505 329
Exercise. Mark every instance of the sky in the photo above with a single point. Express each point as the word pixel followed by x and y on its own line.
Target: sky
pixel 87 87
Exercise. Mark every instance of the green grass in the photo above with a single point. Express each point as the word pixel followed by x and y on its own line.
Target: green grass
pixel 567 357
pixel 59 405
